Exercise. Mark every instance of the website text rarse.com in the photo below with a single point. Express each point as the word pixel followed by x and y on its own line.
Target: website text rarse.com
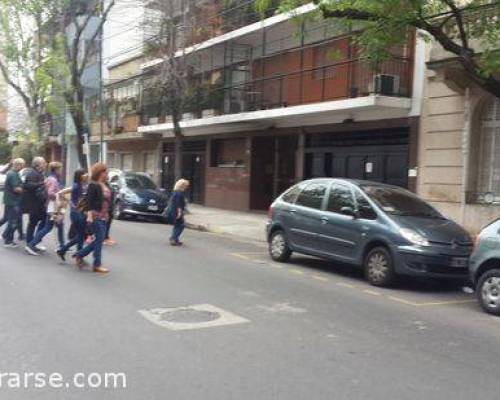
pixel 55 380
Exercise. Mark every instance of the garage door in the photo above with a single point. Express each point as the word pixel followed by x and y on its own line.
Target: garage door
pixel 373 155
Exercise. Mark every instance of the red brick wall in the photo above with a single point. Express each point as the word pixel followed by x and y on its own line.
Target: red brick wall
pixel 228 187
pixel 315 89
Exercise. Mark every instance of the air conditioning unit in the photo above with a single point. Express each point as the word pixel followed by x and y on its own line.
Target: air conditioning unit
pixel 386 84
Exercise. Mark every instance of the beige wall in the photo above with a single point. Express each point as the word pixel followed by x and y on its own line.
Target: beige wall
pixel 441 158
pixel 126 70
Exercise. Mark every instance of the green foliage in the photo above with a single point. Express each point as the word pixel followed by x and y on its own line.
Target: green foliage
pixel 27 150
pixel 5 149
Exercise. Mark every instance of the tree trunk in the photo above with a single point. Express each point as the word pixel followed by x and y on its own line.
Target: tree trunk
pixel 177 145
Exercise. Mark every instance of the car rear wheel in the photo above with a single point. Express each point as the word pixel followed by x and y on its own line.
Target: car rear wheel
pixel 488 291
pixel 278 247
pixel 379 268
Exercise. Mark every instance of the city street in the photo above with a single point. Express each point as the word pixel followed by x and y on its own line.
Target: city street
pixel 303 330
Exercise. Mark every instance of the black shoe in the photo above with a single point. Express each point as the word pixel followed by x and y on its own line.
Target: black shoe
pixel 61 254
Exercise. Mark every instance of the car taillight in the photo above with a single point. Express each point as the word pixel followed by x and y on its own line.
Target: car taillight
pixel 270 213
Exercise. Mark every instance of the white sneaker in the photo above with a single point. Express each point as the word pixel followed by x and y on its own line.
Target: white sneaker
pixel 41 248
pixel 12 245
pixel 30 251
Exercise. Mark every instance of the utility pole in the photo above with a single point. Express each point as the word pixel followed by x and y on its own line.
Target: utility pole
pixel 101 100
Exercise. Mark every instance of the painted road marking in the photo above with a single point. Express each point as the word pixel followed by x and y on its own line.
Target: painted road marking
pixel 346 285
pixel 251 256
pixel 320 278
pixel 296 271
pixel 209 316
pixel 372 292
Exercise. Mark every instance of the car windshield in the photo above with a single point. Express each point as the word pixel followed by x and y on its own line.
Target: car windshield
pixel 396 201
pixel 135 181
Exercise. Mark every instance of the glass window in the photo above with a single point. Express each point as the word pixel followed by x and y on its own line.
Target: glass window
pixel 340 197
pixel 127 162
pixel 396 201
pixel 150 163
pixel 312 195
pixel 291 195
pixel 365 210
pixel 136 181
pixel 489 153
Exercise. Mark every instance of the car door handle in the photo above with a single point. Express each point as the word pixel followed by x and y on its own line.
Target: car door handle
pixel 292 211
pixel 324 220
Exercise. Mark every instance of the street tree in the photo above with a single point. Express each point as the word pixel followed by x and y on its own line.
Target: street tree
pixel 81 23
pixel 27 62
pixel 468 29
pixel 173 29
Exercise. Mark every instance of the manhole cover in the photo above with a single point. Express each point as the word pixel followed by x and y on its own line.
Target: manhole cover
pixel 190 316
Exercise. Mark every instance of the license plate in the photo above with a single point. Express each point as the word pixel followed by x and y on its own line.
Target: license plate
pixel 153 208
pixel 459 262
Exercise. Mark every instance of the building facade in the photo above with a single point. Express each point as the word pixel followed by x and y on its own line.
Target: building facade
pixel 459 151
pixel 279 102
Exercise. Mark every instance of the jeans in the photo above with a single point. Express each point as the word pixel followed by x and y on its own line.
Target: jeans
pixel 177 229
pixel 4 220
pixel 108 227
pixel 99 230
pixel 36 222
pixel 46 229
pixel 80 224
pixel 12 214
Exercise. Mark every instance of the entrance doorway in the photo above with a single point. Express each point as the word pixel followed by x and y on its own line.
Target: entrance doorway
pixel 273 169
pixel 193 168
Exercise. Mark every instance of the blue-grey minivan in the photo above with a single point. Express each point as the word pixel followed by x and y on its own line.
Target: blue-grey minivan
pixel 385 229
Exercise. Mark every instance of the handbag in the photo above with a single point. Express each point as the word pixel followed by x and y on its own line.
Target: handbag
pixel 83 205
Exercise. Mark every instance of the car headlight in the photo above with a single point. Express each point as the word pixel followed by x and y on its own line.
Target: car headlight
pixel 414 237
pixel 131 197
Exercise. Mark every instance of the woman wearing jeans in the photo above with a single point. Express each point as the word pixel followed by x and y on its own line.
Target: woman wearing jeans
pixel 99 199
pixel 53 186
pixel 78 222
pixel 178 205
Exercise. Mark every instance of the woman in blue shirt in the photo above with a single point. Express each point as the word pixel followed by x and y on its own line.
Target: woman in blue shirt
pixel 78 221
pixel 177 207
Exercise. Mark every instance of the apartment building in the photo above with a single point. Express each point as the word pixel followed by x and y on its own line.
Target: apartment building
pixel 281 101
pixel 459 149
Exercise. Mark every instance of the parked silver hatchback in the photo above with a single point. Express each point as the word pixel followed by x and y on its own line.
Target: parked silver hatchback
pixel 485 268
pixel 385 229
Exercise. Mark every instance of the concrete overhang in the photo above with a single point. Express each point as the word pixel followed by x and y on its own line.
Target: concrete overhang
pixel 367 108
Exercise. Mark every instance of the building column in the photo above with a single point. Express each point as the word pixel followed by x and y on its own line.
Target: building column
pixel 300 158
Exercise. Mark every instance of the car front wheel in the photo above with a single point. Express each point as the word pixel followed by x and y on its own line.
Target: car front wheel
pixel 488 291
pixel 379 268
pixel 278 247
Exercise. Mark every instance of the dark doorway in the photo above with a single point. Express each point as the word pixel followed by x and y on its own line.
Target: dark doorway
pixel 273 169
pixel 380 156
pixel 193 168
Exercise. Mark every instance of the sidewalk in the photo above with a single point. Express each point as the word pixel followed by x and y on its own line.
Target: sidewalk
pixel 249 225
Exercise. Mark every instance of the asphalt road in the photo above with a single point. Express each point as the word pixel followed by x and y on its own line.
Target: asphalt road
pixel 304 330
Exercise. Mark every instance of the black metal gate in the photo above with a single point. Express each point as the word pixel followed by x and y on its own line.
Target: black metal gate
pixel 193 168
pixel 380 156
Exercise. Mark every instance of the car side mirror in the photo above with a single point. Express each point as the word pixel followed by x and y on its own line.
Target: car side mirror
pixel 348 211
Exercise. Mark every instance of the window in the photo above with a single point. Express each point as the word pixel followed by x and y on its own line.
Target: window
pixel 365 210
pixel 291 195
pixel 127 162
pixel 150 163
pixel 489 153
pixel 340 197
pixel 312 196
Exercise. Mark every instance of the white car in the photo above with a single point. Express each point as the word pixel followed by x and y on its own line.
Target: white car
pixel 2 176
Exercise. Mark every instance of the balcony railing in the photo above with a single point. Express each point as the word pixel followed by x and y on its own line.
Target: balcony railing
pixel 336 81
